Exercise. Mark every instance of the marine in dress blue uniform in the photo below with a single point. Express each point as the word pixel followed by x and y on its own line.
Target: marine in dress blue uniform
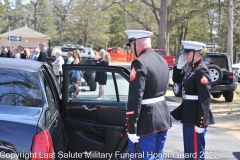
pixel 194 111
pixel 148 117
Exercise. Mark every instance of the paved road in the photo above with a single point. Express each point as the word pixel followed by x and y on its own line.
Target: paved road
pixel 219 144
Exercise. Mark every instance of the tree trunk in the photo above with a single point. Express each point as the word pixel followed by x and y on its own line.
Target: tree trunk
pixel 163 25
pixel 230 29
pixel 35 16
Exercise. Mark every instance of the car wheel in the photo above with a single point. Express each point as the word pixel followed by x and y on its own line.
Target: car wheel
pixel 177 89
pixel 92 84
pixel 229 96
pixel 216 95
pixel 215 74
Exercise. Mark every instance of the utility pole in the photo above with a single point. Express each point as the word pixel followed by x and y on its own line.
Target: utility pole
pixel 230 29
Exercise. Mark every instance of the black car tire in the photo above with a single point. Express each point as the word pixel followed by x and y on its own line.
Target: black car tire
pixel 215 74
pixel 177 89
pixel 92 84
pixel 216 95
pixel 228 96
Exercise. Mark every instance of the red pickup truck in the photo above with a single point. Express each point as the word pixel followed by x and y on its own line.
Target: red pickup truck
pixel 170 59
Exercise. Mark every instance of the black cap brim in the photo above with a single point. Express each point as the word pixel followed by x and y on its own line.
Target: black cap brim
pixel 187 51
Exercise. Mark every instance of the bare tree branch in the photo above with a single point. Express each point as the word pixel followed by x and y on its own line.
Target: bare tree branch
pixel 136 18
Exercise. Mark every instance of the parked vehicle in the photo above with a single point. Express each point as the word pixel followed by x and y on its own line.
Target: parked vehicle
pixel 236 69
pixel 88 56
pixel 222 75
pixel 170 61
pixel 36 117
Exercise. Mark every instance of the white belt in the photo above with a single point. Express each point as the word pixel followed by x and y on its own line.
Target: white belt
pixel 153 100
pixel 190 97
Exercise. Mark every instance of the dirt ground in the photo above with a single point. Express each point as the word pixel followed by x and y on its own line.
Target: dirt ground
pixel 226 114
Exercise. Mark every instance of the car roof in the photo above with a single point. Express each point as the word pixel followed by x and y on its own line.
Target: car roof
pixel 21 64
pixel 216 53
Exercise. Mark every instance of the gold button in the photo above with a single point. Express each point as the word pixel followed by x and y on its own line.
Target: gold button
pixel 201 117
pixel 200 121
pixel 126 130
pixel 126 124
pixel 200 125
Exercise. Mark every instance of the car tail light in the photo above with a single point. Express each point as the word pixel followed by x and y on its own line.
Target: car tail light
pixel 42 147
pixel 230 76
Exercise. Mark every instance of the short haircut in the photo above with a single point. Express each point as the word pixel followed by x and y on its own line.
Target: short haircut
pixel 102 51
pixel 59 52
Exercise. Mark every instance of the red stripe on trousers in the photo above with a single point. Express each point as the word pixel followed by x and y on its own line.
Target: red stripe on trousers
pixel 195 143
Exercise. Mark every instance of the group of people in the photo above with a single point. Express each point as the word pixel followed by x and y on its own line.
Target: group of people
pixel 75 58
pixel 148 118
pixel 37 54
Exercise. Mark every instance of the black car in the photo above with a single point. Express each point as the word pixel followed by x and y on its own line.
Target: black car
pixel 222 75
pixel 38 118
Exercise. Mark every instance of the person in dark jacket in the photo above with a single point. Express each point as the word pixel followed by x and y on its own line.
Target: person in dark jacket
pixel 194 111
pixel 148 117
pixel 3 52
pixel 10 52
pixel 43 53
pixel 101 77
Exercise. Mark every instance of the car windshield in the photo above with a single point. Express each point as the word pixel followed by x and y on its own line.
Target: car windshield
pixel 160 53
pixel 67 48
pixel 19 88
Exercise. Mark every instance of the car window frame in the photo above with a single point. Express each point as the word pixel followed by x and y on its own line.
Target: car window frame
pixel 52 88
pixel 113 69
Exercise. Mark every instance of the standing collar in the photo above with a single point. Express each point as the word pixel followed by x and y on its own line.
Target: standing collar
pixel 196 63
pixel 146 50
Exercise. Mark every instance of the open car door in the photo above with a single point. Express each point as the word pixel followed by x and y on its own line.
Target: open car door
pixel 95 126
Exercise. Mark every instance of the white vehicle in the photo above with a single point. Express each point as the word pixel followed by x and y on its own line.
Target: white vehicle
pixel 236 69
pixel 87 53
pixel 88 56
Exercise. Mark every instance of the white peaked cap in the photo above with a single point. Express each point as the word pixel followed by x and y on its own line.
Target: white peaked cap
pixel 193 45
pixel 137 33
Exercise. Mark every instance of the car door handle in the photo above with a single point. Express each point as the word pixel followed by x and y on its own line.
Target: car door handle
pixel 89 109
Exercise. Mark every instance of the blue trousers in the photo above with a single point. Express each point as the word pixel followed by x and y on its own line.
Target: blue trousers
pixel 194 143
pixel 149 147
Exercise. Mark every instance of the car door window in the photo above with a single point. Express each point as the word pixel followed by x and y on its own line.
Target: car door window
pixel 53 77
pixel 88 86
pixel 20 88
pixel 51 104
pixel 220 61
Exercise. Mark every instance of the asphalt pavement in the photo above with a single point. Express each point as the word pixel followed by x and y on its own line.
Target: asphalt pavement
pixel 219 144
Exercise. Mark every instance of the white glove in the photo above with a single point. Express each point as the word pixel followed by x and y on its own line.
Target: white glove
pixel 133 137
pixel 181 62
pixel 199 130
